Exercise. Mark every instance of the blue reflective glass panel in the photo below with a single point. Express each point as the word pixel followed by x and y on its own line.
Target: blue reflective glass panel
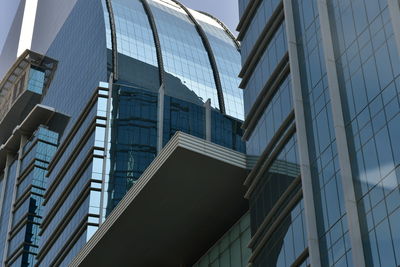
pixel 185 58
pixel 228 61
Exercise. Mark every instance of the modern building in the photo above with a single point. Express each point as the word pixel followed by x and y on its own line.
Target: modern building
pixel 321 95
pixel 119 87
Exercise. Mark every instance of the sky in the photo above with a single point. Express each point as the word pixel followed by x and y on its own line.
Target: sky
pixel 225 10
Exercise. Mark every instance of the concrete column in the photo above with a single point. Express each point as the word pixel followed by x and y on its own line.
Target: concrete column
pixel 9 160
pixel 207 107
pixel 341 139
pixel 305 169
pixel 160 118
pixel 23 141
pixel 394 11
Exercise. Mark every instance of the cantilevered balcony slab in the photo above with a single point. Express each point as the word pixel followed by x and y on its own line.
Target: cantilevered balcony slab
pixel 39 115
pixel 25 102
pixel 190 195
pixel 17 99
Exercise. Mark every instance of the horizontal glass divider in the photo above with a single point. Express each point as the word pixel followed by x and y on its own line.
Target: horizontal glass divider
pixel 256 176
pixel 272 143
pixel 264 98
pixel 275 225
pixel 81 119
pixel 247 17
pixel 58 203
pixel 261 44
pixel 63 224
pixel 275 209
pixel 71 159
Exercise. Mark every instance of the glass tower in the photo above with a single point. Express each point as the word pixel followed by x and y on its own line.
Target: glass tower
pixel 321 96
pixel 129 75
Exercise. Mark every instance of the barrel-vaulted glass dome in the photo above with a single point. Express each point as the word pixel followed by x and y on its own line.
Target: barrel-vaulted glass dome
pixel 192 54
pixel 174 69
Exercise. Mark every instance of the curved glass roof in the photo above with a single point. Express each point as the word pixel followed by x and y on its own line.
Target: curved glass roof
pixel 198 57
pixel 228 60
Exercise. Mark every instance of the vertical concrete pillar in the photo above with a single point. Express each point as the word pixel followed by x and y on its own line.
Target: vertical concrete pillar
pixel 23 141
pixel 341 139
pixel 298 103
pixel 207 107
pixel 9 160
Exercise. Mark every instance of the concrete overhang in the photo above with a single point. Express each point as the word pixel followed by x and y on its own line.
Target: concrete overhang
pixel 26 59
pixel 39 115
pixel 189 196
pixel 26 101
pixel 16 102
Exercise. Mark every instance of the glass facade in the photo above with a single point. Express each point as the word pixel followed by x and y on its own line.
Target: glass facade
pixel 185 58
pixel 266 65
pixel 134 35
pixel 159 75
pixel 278 225
pixel 182 116
pixel 231 249
pixel 287 243
pixel 366 61
pixel 257 25
pixel 188 83
pixel 22 212
pixel 228 62
pixel 137 58
pixel 368 64
pixel 227 132
pixel 328 189
pixel 36 80
pixel 133 139
pixel 277 213
pixel 274 115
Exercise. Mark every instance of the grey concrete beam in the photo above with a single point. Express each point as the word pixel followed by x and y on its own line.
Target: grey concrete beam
pixel 207 107
pixel 305 169
pixel 341 139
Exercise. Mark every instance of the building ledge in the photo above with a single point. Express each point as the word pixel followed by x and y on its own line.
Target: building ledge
pixel 188 197
pixel 40 115
pixel 17 99
pixel 25 102
pixel 26 59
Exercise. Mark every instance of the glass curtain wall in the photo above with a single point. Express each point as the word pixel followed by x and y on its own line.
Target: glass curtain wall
pixel 368 64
